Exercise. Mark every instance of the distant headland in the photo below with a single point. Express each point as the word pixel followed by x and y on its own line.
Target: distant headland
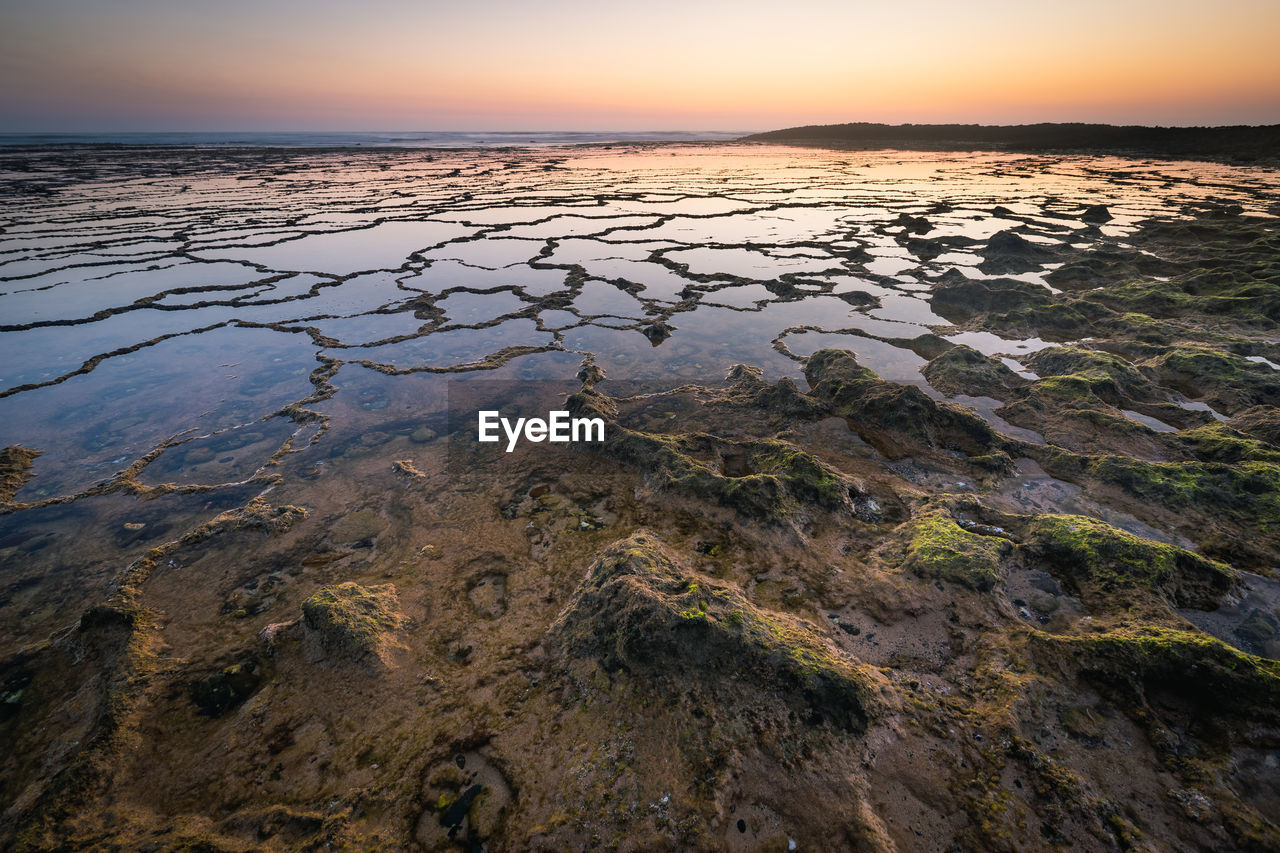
pixel 1239 143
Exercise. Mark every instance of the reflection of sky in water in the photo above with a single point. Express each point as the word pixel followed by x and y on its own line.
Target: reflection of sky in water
pixel 766 227
pixel 659 281
pixel 564 226
pixel 501 215
pixel 557 319
pixel 741 296
pixel 586 252
pixel 466 308
pixel 93 425
pixel 747 263
pixel 600 298
pixel 907 309
pixel 1147 420
pixel 795 220
pixel 897 364
pixel 705 344
pixel 382 247
pixel 494 253
pixel 854 284
pixel 989 344
pixel 43 354
pixel 367 328
pixel 447 274
pixel 1257 359
pixel 82 297
pixel 450 348
pixel 889 264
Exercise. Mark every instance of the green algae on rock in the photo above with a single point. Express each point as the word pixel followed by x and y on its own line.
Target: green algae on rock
pixel 964 370
pixel 639 609
pixel 940 548
pixel 1221 442
pixel 1190 664
pixel 1092 556
pixel 896 419
pixel 1228 382
pixel 779 478
pixel 257 514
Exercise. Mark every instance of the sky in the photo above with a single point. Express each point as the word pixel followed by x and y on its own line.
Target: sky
pixel 417 65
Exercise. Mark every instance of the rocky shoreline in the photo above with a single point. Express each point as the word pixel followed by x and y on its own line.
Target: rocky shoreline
pixel 1018 593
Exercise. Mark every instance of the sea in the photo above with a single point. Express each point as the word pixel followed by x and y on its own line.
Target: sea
pixel 369 139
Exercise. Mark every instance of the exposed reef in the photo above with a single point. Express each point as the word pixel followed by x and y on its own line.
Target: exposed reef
pixel 638 610
pixel 937 508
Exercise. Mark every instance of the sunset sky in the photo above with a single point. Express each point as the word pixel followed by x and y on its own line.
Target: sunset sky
pixel 90 65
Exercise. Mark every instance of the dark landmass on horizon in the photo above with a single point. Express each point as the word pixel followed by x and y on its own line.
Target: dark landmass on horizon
pixel 1255 145
pixel 1236 143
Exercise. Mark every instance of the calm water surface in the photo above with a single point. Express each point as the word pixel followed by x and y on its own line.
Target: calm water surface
pixel 221 310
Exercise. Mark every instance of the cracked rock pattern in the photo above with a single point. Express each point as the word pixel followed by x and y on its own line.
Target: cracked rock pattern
pixel 980 450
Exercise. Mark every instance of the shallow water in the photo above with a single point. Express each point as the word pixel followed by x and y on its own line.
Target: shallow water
pixel 190 297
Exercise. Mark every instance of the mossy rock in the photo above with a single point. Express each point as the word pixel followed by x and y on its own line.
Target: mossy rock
pixel 831 372
pixel 1222 268
pixel 639 610
pixel 805 477
pixel 1007 251
pixel 1105 265
pixel 1065 390
pixel 1259 422
pixel 1229 383
pixel 897 420
pixel 1248 492
pixel 353 622
pixel 1053 320
pixel 1258 628
pixel 959 299
pixel 1194 666
pixel 1218 442
pixel 257 514
pixel 1244 495
pixel 780 398
pixel 928 346
pixel 964 370
pixel 1103 370
pixel 590 403
pixel 940 548
pixel 780 479
pixel 1081 721
pixel 1091 556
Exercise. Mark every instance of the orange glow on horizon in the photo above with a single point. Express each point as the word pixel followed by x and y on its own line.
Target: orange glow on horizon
pixel 568 64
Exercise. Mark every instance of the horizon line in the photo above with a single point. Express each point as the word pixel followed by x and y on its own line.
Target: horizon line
pixel 517 131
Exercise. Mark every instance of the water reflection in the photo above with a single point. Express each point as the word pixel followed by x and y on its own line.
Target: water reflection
pixel 668 265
